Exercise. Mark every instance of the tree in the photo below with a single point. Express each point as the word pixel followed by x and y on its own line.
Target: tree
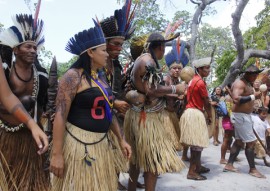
pixel 243 53
pixel 196 20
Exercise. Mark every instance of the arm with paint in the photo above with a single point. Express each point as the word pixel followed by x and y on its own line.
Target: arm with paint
pixel 15 107
pixel 67 90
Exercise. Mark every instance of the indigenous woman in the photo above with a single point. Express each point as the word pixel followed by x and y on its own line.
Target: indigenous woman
pixel 227 126
pixel 81 154
pixel 216 96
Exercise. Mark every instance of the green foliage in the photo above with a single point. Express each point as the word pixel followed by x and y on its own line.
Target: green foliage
pixel 223 65
pixel 209 37
pixel 149 18
pixel 63 67
pixel 45 58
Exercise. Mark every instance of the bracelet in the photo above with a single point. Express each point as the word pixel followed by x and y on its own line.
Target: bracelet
pixel 252 97
pixel 173 89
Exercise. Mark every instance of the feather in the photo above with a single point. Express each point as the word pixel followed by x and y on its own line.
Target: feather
pixel 36 13
pixel 167 31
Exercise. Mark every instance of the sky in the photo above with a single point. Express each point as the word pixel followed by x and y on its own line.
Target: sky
pixel 64 18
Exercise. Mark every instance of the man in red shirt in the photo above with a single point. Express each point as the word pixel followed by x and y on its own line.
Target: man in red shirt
pixel 194 131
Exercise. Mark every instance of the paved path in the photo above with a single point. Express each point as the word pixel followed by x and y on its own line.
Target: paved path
pixel 217 180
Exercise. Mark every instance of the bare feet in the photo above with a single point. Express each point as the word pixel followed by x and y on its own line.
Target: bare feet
pixel 215 143
pixel 256 173
pixel 230 168
pixel 223 161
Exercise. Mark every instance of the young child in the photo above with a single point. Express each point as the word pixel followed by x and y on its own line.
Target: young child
pixel 261 125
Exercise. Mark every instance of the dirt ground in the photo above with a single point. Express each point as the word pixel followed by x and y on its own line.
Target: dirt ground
pixel 217 180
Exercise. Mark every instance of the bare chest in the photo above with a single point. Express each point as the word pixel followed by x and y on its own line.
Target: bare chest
pixel 19 87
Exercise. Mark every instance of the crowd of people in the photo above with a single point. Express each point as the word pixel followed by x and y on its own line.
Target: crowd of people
pixel 107 122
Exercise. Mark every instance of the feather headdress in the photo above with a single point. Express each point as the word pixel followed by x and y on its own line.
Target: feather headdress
pixel 177 54
pixel 25 29
pixel 87 39
pixel 121 24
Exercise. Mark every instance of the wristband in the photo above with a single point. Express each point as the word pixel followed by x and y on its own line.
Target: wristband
pixel 245 99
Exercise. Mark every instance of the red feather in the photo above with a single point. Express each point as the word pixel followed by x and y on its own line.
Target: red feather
pixel 178 45
pixel 128 4
pixel 131 16
pixel 36 13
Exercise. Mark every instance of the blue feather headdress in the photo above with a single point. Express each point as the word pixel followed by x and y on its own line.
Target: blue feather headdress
pixel 87 39
pixel 121 24
pixel 177 54
pixel 25 29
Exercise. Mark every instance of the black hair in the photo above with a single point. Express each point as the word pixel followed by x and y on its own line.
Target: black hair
pixel 6 54
pixel 84 62
pixel 152 46
pixel 262 109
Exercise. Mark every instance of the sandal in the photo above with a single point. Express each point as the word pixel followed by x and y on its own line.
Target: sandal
pixel 196 177
pixel 231 170
pixel 257 174
pixel 121 187
pixel 203 170
pixel 140 185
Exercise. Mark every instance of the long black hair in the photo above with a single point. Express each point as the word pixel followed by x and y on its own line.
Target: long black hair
pixel 84 62
pixel 152 46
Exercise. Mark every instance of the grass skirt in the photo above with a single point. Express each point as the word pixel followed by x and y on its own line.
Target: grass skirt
pixel 120 161
pixel 3 181
pixel 25 166
pixel 78 175
pixel 171 122
pixel 152 149
pixel 194 130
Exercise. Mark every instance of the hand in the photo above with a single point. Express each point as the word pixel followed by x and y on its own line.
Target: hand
pixel 121 106
pixel 180 88
pixel 57 165
pixel 40 137
pixel 126 148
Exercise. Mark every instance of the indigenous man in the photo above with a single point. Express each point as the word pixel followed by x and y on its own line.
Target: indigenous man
pixel 28 81
pixel 144 125
pixel 193 125
pixel 243 97
pixel 117 29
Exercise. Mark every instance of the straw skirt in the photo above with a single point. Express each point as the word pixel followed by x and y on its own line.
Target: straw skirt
pixel 80 176
pixel 171 122
pixel 25 168
pixel 152 149
pixel 120 161
pixel 194 131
